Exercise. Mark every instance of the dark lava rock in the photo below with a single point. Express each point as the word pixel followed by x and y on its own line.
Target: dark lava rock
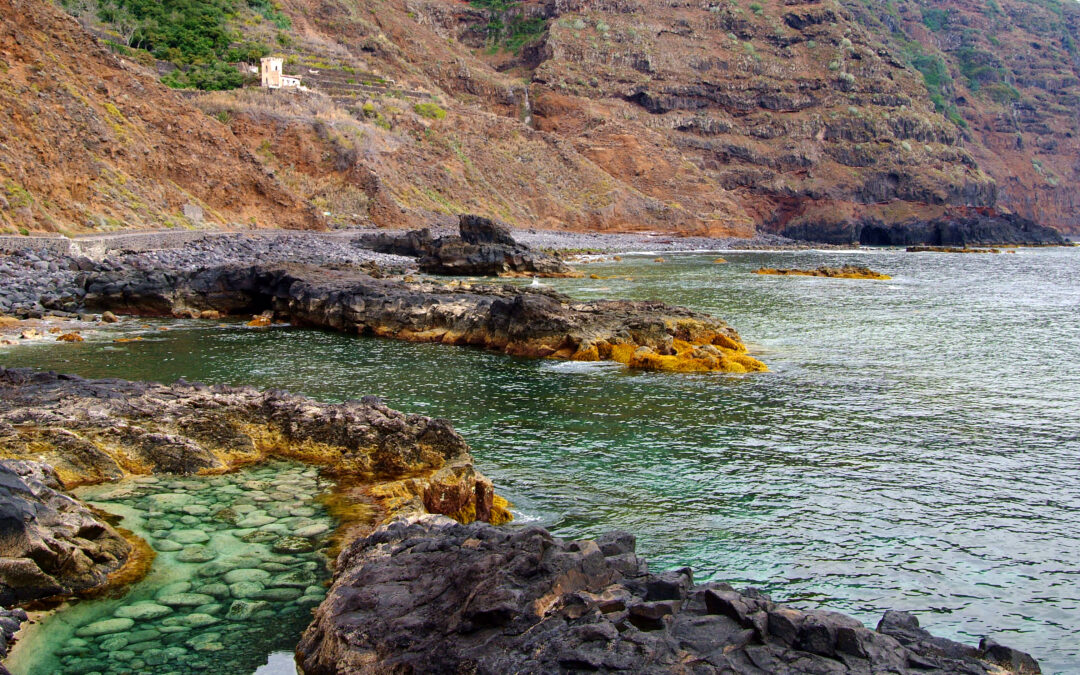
pixel 428 595
pixel 517 320
pixel 50 544
pixel 484 248
pixel 973 229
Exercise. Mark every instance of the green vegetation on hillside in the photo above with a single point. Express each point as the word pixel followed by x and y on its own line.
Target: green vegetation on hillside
pixel 506 27
pixel 196 36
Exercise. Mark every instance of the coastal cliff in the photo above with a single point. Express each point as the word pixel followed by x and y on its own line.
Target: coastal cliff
pixel 819 120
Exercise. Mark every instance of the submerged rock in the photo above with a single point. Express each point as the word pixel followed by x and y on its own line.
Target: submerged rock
pixel 844 272
pixel 484 248
pixel 431 595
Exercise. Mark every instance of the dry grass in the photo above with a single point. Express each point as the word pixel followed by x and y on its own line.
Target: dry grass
pixel 279 105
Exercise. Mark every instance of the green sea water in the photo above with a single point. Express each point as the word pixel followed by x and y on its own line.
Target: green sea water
pixel 915 445
pixel 236 574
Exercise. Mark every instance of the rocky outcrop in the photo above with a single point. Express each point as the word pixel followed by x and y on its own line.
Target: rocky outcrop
pixel 430 595
pixel 971 227
pixel 484 248
pixel 50 544
pixel 535 322
pixel 844 272
pixel 93 431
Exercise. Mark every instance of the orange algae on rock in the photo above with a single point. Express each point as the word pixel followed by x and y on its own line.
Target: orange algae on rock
pixel 845 272
pixel 695 348
pixel 70 337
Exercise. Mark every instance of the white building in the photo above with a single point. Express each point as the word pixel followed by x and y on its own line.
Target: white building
pixel 273 78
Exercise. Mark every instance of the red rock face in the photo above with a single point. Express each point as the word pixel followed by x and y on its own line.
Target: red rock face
pixel 708 118
pixel 721 119
pixel 93 143
pixel 1014 68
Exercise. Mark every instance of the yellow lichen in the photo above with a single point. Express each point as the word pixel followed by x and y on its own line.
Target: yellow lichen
pixel 845 272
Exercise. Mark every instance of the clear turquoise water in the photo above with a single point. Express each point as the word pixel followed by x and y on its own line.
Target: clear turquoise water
pixel 231 583
pixel 915 446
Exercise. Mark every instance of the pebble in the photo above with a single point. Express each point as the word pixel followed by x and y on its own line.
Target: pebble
pixel 189 536
pixel 185 599
pixel 142 610
pixel 196 554
pixel 105 627
pixel 312 530
pixel 235 576
pixel 245 589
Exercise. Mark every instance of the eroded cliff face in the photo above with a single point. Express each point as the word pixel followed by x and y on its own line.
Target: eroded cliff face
pixel 1012 69
pixel 89 142
pixel 804 118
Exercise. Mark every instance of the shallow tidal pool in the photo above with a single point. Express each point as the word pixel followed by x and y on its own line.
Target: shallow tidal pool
pixel 240 564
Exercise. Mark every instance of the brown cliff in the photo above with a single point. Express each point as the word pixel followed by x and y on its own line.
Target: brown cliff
pixel 89 142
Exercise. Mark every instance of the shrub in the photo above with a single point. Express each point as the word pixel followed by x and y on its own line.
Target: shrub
pixel 1001 92
pixel 217 76
pixel 756 8
pixel 935 19
pixel 429 110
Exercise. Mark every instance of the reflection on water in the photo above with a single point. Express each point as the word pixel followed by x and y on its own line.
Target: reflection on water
pixel 235 578
pixel 914 447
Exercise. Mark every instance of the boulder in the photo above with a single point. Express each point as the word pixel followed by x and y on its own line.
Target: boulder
pixel 50 544
pixel 483 248
pixel 427 594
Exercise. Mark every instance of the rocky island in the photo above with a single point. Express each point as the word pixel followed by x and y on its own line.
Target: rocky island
pixel 484 248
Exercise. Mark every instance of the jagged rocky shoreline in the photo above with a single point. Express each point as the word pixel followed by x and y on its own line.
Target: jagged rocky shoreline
pixel 431 595
pixel 58 431
pixel 533 322
pixel 423 593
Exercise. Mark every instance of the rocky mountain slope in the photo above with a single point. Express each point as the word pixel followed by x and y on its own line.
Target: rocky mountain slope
pixel 89 142
pixel 820 120
pixel 806 118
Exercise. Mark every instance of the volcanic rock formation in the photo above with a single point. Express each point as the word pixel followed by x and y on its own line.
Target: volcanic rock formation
pixel 484 248
pixel 103 430
pixel 534 322
pixel 50 544
pixel 430 595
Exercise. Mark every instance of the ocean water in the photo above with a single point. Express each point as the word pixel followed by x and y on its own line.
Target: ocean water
pixel 915 445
